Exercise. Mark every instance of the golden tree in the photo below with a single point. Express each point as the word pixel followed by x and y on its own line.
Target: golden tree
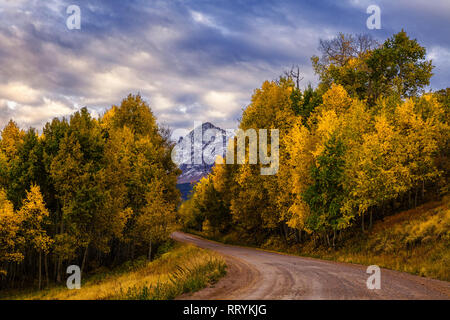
pixel 34 217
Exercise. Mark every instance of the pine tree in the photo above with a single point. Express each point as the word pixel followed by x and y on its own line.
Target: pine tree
pixel 325 195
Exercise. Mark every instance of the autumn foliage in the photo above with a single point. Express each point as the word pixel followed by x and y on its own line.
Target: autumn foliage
pixel 367 142
pixel 90 192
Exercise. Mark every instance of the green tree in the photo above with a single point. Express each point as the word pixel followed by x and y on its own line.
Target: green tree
pixel 369 71
pixel 155 224
pixel 325 195
pixel 26 168
pixel 399 66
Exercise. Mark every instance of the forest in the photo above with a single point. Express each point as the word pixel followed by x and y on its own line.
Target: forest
pixel 85 191
pixel 369 141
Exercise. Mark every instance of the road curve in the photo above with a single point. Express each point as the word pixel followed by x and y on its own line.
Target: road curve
pixel 261 275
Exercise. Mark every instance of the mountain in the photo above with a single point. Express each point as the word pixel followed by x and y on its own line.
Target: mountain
pixel 196 152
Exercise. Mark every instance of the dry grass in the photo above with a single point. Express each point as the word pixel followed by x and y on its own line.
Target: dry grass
pixel 183 269
pixel 415 241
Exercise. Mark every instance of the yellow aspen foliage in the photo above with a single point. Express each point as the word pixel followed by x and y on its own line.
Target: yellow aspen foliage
pixel 98 176
pixel 156 222
pixel 356 145
pixel 420 143
pixel 327 124
pixel 336 99
pixel 256 201
pixel 250 202
pixel 378 173
pixel 111 220
pixel 106 122
pixel 10 241
pixel 222 178
pixel 270 107
pixel 34 216
pixel 300 144
pixel 12 138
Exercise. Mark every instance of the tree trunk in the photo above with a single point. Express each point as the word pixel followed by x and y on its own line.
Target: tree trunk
pixel 334 239
pixel 409 199
pixel 40 269
pixel 13 274
pixel 415 199
pixel 55 267
pixel 370 219
pixel 84 258
pixel 150 250
pixel 286 231
pixel 58 272
pixel 423 190
pixel 46 269
pixel 362 222
pixel 298 237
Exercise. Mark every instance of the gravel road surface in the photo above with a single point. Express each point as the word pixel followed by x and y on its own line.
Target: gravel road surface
pixel 261 275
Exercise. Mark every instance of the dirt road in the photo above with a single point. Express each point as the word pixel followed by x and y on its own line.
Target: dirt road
pixel 256 274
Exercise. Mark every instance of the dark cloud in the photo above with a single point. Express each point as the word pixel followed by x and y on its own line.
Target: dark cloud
pixel 194 60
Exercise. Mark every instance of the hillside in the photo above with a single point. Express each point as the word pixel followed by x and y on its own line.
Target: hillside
pixel 364 145
pixel 183 269
pixel 415 241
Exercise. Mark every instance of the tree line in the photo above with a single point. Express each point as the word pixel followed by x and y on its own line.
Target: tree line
pixel 366 142
pixel 86 191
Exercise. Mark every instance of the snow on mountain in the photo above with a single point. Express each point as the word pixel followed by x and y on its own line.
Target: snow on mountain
pixel 196 152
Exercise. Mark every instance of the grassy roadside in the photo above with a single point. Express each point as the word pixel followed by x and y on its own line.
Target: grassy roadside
pixel 184 269
pixel 416 241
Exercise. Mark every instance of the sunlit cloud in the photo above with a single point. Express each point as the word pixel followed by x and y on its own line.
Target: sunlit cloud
pixel 191 60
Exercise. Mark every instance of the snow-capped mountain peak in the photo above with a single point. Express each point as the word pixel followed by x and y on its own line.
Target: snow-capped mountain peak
pixel 197 151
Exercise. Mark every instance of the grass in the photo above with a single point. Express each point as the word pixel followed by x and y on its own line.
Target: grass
pixel 184 269
pixel 415 241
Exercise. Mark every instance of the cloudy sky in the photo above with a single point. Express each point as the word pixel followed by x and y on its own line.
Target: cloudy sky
pixel 192 60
